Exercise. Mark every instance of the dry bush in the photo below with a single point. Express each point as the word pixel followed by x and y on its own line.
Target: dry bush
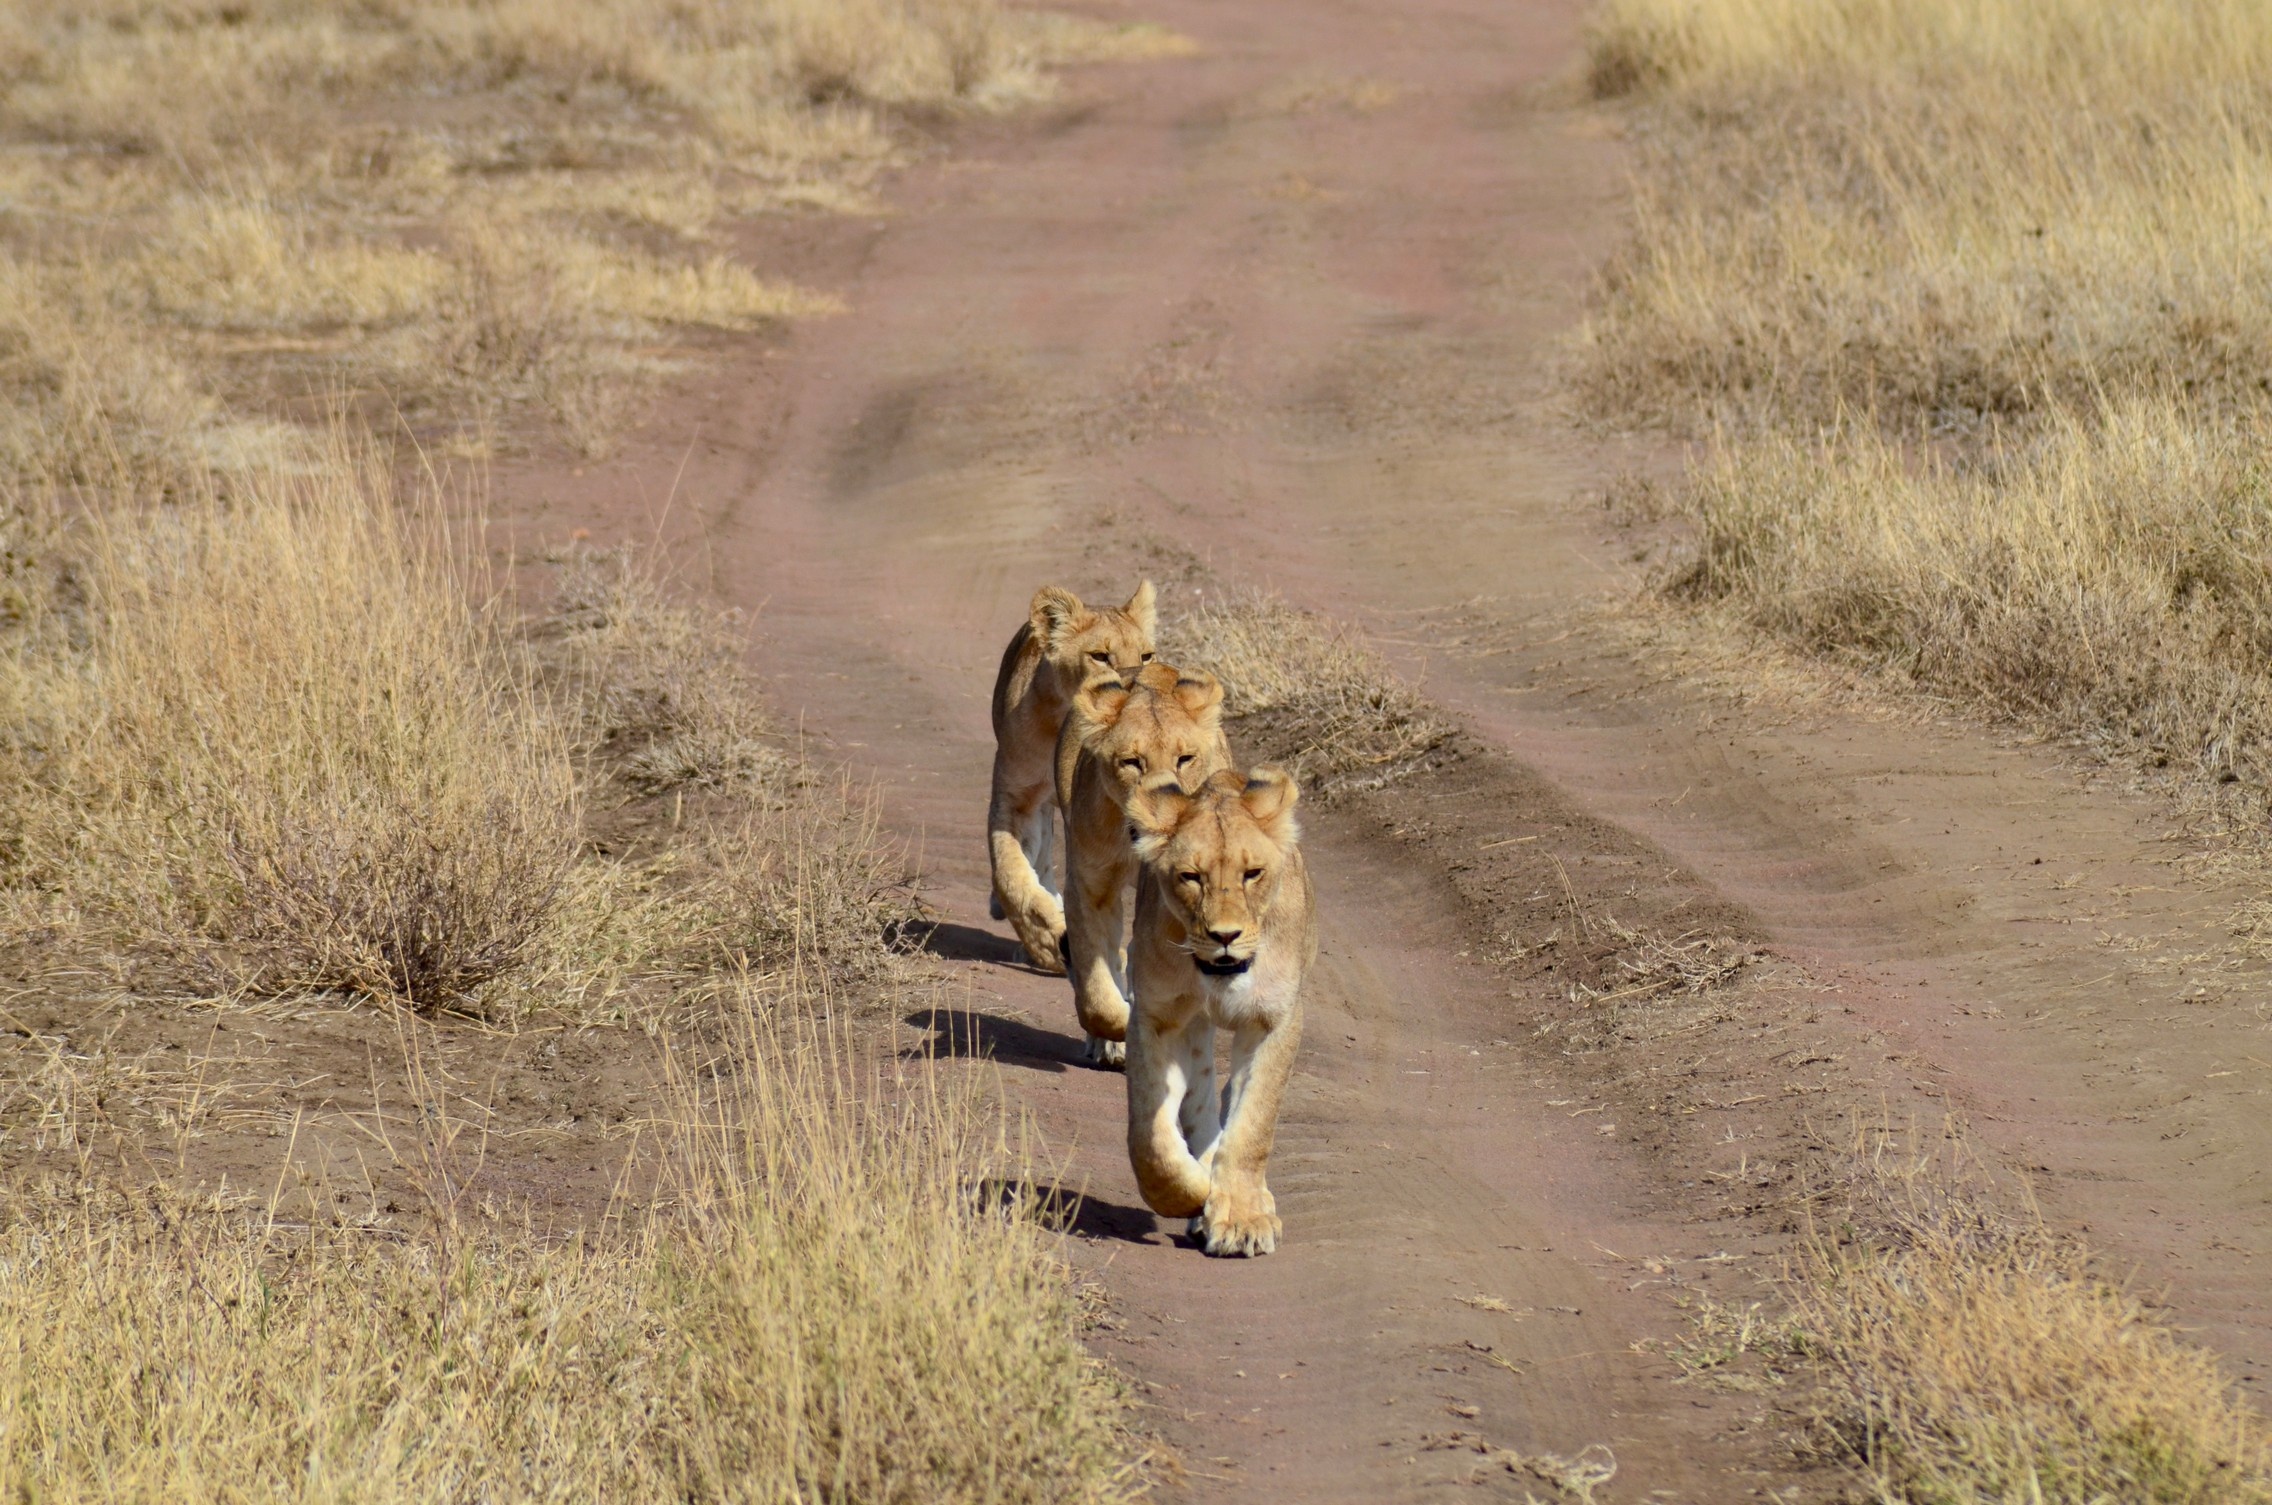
pixel 658 682
pixel 816 1308
pixel 1335 712
pixel 285 746
pixel 1935 211
pixel 2109 579
pixel 787 868
pixel 1971 1355
pixel 808 883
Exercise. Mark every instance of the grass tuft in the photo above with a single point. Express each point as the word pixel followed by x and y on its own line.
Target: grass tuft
pixel 1972 1355
pixel 1336 712
pixel 285 746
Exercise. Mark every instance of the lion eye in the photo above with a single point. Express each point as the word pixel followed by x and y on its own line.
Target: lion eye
pixel 1147 658
pixel 1101 657
pixel 1190 878
pixel 1133 765
pixel 1254 875
pixel 1184 761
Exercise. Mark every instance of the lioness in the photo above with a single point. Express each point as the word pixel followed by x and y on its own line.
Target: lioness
pixel 1062 646
pixel 1225 931
pixel 1169 722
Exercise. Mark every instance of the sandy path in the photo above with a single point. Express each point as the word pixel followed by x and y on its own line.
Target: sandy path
pixel 1287 309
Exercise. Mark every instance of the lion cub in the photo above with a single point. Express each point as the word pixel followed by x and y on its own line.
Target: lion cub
pixel 1062 646
pixel 1225 931
pixel 1168 723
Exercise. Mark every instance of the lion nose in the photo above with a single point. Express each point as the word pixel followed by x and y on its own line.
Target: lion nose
pixel 1224 937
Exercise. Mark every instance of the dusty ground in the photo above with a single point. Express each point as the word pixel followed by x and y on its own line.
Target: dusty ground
pixel 1286 313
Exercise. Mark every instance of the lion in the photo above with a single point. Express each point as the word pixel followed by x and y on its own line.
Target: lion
pixel 1225 932
pixel 1169 722
pixel 1062 646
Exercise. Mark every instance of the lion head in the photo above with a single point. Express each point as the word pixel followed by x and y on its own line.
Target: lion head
pixel 1216 856
pixel 1086 643
pixel 1166 722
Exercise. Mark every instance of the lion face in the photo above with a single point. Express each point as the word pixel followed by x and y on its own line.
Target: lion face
pixel 1166 723
pixel 1217 856
pixel 1088 643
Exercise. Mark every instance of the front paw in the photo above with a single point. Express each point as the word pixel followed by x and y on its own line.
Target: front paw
pixel 1044 948
pixel 1238 1221
pixel 1112 1055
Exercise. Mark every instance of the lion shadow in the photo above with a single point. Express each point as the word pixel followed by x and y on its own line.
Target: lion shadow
pixel 1069 1211
pixel 966 1034
pixel 953 942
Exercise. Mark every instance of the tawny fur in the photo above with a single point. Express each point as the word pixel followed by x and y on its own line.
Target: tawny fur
pixel 1062 646
pixel 1222 883
pixel 1169 723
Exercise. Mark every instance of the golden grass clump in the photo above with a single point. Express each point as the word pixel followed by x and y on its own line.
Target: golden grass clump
pixel 1335 711
pixel 1972 1357
pixel 2110 579
pixel 662 697
pixel 282 742
pixel 816 1306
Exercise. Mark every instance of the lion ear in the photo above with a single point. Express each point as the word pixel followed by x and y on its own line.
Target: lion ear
pixel 1270 796
pixel 1199 693
pixel 1154 811
pixel 1143 609
pixel 1055 613
pixel 1100 701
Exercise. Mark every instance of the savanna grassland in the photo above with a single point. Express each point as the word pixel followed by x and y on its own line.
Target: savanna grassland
pixel 1965 308
pixel 333 856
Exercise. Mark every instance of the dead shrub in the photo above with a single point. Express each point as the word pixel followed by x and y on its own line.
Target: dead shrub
pixel 1972 1355
pixel 292 751
pixel 1334 711
pixel 663 698
pixel 805 883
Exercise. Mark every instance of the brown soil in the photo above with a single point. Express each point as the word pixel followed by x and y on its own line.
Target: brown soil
pixel 1602 983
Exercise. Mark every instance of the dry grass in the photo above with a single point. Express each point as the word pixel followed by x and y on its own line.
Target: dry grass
pixel 1971 299
pixel 284 738
pixel 2110 579
pixel 267 725
pixel 280 740
pixel 216 207
pixel 1975 295
pixel 1335 712
pixel 663 700
pixel 817 1308
pixel 1971 1355
pixel 1937 211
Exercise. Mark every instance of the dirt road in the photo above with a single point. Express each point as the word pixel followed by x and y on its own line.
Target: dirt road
pixel 1285 313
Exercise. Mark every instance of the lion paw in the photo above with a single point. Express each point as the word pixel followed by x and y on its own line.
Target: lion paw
pixel 1044 953
pixel 1238 1222
pixel 1112 1055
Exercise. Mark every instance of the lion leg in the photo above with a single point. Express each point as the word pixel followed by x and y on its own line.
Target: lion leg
pixel 1240 1216
pixel 1172 1181
pixel 1201 1116
pixel 1018 822
pixel 1096 951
